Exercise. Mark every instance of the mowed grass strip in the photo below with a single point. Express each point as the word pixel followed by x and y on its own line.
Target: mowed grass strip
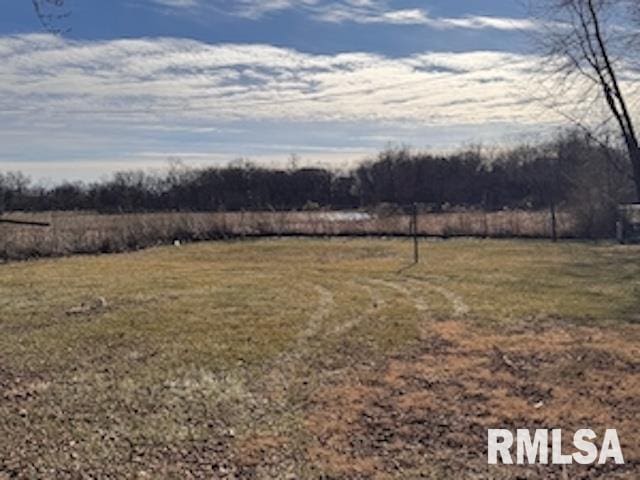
pixel 121 364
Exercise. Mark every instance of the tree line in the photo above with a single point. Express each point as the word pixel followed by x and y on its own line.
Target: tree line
pixel 571 170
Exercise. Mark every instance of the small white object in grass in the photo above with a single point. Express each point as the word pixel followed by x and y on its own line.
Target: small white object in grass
pixel 176 243
pixel 95 305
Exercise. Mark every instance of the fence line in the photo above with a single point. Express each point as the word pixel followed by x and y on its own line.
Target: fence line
pixel 71 233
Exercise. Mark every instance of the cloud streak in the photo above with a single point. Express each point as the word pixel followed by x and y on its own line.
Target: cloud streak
pixel 91 99
pixel 167 80
pixel 350 11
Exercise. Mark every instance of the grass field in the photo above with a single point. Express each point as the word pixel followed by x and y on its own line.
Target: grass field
pixel 315 359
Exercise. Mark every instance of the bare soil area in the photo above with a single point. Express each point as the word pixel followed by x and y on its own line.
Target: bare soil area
pixel 425 414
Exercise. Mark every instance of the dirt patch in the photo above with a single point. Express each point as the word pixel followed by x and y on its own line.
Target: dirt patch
pixel 425 414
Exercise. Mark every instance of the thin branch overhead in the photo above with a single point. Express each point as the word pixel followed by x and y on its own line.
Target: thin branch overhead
pixel 591 49
pixel 52 15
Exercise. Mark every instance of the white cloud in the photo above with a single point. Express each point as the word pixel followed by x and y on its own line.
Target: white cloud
pixel 177 3
pixel 352 11
pixel 413 16
pixel 482 22
pixel 171 80
pixel 84 98
pixel 379 12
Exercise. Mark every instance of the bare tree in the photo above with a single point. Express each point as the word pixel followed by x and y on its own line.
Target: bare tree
pixel 589 40
pixel 52 14
pixel 14 182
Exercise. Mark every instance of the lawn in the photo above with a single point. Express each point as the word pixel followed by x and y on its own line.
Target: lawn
pixel 307 358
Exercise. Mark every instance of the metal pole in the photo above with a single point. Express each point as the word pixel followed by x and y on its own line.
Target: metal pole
pixel 554 222
pixel 416 249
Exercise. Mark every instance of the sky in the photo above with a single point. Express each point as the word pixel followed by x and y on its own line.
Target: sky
pixel 135 84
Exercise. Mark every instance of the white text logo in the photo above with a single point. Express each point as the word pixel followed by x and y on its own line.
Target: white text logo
pixel 545 447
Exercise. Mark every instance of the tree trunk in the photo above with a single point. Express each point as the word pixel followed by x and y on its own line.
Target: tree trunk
pixel 634 153
pixel 613 92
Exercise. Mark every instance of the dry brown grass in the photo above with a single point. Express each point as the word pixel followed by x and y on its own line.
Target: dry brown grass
pixel 314 359
pixel 81 232
pixel 425 413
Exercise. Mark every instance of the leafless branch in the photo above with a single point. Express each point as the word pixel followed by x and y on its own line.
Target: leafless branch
pixel 51 13
pixel 586 39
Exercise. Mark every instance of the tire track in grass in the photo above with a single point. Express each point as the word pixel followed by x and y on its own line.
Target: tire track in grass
pixel 238 387
pixel 325 305
pixel 420 305
pixel 460 308
pixel 375 302
pixel 313 326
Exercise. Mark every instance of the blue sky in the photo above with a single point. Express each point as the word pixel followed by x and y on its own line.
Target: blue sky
pixel 138 82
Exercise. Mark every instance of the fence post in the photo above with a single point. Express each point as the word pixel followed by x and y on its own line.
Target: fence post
pixel 620 231
pixel 554 222
pixel 414 223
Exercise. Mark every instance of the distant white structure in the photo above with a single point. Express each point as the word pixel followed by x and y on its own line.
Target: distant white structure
pixel 176 243
pixel 345 216
pixel 628 226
